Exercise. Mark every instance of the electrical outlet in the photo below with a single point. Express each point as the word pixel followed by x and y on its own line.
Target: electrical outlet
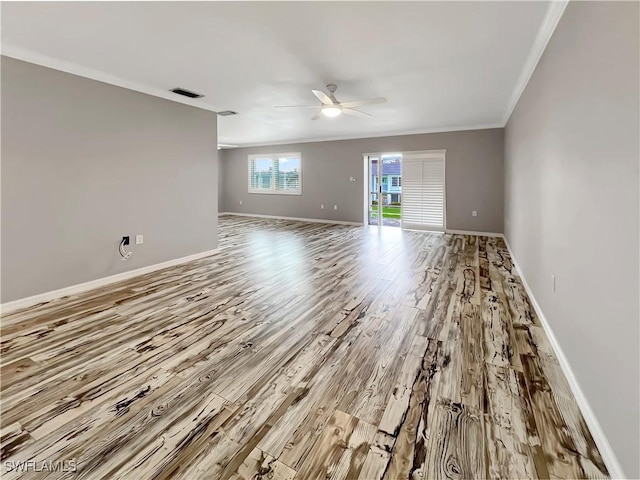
pixel 139 239
pixel 322 206
pixel 335 207
pixel 125 240
pixel 474 213
pixel 352 179
pixel 240 202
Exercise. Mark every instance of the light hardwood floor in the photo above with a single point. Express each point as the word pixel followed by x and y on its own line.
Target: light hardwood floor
pixel 300 350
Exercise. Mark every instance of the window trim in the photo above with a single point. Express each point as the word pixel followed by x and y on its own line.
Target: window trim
pixel 274 190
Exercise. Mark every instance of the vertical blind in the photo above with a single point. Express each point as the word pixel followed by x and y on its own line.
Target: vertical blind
pixel 423 191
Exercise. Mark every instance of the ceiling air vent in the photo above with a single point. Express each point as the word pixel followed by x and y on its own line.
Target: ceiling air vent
pixel 186 93
pixel 227 113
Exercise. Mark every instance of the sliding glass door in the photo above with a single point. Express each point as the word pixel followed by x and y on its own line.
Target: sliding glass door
pixel 385 189
pixel 374 191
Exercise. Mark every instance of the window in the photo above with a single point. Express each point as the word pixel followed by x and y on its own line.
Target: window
pixel 396 182
pixel 277 173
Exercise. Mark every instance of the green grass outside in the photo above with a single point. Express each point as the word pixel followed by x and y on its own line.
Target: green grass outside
pixel 387 212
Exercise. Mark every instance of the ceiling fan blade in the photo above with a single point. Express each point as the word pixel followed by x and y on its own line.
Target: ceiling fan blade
pixel 361 103
pixel 298 106
pixel 323 97
pixel 356 113
pixel 317 115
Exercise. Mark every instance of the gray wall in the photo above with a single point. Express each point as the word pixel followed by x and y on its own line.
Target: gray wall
pixel 571 154
pixel 220 181
pixel 474 177
pixel 84 163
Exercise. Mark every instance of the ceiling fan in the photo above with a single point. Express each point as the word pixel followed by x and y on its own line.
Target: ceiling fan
pixel 331 107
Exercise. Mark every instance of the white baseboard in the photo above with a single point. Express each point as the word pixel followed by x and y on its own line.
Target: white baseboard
pixel 471 232
pixel 296 219
pixel 342 222
pixel 599 437
pixel 100 282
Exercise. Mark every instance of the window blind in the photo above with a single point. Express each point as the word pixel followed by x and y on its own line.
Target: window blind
pixel 423 193
pixel 260 174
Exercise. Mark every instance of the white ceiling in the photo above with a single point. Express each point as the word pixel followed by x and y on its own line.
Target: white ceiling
pixel 442 65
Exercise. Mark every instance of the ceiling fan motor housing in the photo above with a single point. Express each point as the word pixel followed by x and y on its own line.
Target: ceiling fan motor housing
pixel 331 88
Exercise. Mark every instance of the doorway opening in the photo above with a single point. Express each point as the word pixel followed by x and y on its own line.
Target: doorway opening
pixel 384 179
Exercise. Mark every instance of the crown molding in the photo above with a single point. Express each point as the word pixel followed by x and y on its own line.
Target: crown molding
pixel 549 23
pixel 554 12
pixel 74 69
pixel 373 135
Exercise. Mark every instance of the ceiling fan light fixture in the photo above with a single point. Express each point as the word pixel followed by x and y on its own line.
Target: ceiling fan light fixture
pixel 330 107
pixel 331 111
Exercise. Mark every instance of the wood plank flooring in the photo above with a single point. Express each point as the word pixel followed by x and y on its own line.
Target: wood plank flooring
pixel 299 351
